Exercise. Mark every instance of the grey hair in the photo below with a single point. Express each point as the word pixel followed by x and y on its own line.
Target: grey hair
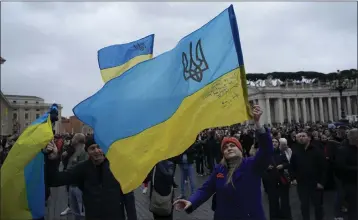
pixel 80 138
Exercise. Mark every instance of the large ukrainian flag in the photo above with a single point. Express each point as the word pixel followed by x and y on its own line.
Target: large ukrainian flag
pixel 166 101
pixel 22 174
pixel 116 59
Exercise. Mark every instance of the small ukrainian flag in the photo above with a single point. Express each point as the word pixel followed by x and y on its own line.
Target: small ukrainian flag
pixel 116 59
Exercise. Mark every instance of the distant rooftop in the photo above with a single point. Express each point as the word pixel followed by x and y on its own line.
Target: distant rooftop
pixel 23 96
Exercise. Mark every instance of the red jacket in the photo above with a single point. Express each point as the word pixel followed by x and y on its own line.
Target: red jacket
pixel 59 144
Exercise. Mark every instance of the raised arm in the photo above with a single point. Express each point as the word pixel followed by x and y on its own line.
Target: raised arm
pixel 262 158
pixel 56 178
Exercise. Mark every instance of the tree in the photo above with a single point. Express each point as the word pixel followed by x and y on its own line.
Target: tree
pixel 283 76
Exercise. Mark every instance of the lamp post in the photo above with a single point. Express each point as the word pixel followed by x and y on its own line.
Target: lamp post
pixel 341 84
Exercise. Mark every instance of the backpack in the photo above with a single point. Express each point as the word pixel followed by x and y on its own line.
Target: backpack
pixel 160 205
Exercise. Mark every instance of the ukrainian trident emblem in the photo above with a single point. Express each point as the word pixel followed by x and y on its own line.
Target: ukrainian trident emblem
pixel 139 46
pixel 194 69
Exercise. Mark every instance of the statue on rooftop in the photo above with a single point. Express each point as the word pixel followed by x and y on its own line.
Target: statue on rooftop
pixel 268 81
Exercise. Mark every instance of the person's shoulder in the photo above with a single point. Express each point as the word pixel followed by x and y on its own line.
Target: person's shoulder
pixel 247 161
pixel 84 164
pixel 343 148
pixel 333 142
pixel 169 163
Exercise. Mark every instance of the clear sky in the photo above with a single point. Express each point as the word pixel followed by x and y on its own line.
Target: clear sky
pixel 51 48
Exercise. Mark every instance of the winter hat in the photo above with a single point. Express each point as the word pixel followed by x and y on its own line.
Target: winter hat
pixel 231 140
pixel 89 141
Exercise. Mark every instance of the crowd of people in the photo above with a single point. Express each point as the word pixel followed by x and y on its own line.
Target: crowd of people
pixel 237 159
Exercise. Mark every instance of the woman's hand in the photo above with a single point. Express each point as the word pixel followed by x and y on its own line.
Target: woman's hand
pixel 181 204
pixel 256 112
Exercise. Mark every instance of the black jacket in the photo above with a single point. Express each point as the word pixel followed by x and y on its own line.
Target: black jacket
pixel 70 151
pixel 308 166
pixel 190 153
pixel 213 147
pixel 163 179
pixel 247 140
pixel 347 164
pixel 102 195
pixel 273 176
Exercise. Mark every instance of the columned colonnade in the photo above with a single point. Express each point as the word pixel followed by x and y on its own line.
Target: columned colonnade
pixel 307 103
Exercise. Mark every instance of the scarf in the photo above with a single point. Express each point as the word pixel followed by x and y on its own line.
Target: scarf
pixel 232 165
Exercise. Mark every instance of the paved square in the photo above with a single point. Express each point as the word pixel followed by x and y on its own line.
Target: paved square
pixel 58 202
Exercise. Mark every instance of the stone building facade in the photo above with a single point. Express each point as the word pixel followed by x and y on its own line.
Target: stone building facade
pixel 6 122
pixel 306 102
pixel 22 111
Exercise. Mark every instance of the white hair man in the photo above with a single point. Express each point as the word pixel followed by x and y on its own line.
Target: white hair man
pixel 285 149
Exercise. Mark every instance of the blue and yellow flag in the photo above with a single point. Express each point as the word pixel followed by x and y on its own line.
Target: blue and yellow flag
pixel 22 174
pixel 166 101
pixel 116 59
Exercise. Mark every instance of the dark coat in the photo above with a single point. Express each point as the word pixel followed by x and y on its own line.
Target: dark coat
pixel 347 164
pixel 274 176
pixel 163 179
pixel 330 151
pixel 244 200
pixel 70 151
pixel 199 150
pixel 103 198
pixel 309 166
pixel 190 153
pixel 247 140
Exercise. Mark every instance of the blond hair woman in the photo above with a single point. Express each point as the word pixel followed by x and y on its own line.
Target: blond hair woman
pixel 236 181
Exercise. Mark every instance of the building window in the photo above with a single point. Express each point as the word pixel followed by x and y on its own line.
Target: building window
pixel 37 110
pixel 37 102
pixel 26 115
pixel 14 101
pixel 27 124
pixel 14 116
pixel 25 102
pixel 37 116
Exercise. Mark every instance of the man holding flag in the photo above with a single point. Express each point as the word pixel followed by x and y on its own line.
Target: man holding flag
pixel 103 198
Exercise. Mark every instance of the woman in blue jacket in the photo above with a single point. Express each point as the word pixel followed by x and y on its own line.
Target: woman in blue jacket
pixel 236 180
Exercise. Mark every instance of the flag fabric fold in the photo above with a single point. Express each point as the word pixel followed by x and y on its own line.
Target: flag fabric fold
pixel 22 174
pixel 166 101
pixel 116 59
